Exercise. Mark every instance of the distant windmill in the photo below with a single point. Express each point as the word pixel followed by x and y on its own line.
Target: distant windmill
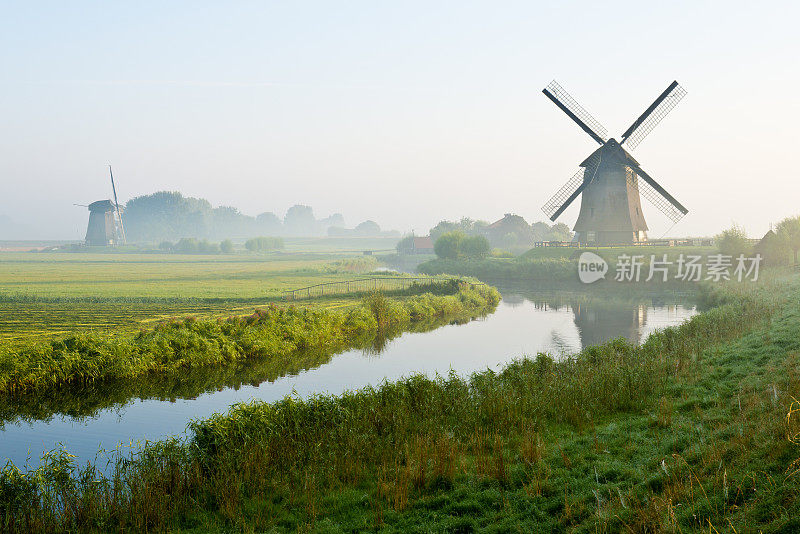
pixel 104 228
pixel 610 180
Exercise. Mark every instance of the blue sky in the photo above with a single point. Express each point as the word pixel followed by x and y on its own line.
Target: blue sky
pixel 404 112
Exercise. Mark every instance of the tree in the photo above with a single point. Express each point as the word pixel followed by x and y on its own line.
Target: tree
pixel 268 223
pixel 788 231
pixel 448 245
pixel 509 240
pixel 511 224
pixel 367 228
pixel 263 243
pixel 207 247
pixel 299 220
pixel 560 232
pixel 405 245
pixel 226 246
pixel 166 215
pixel 186 245
pixel 733 242
pixel 475 246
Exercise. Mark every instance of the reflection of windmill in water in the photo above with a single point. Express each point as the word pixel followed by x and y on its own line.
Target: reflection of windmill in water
pixel 105 221
pixel 598 323
pixel 610 180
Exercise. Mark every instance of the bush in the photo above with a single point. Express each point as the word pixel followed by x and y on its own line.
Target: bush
pixel 448 246
pixel 733 242
pixel 475 247
pixel 258 244
pixel 457 245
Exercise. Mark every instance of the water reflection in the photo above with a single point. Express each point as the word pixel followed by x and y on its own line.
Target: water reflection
pixel 526 322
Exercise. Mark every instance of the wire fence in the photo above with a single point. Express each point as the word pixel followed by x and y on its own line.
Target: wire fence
pixel 363 285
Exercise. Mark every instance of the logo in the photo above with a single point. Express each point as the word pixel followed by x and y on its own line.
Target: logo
pixel 591 267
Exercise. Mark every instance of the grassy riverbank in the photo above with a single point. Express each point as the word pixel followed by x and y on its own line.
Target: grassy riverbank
pixel 274 333
pixel 556 264
pixel 687 432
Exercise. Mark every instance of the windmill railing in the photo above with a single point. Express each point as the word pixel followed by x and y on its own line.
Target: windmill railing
pixel 366 285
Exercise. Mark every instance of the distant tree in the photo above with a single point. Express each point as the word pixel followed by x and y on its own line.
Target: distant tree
pixel 560 232
pixel 367 228
pixel 508 240
pixel 166 245
pixel 733 241
pixel 186 245
pixel 227 220
pixel 475 247
pixel 466 225
pixel 258 244
pixel 226 246
pixel 268 223
pixel 299 220
pixel 406 244
pixel 206 247
pixel 166 215
pixel 442 228
pixel 448 246
pixel 335 220
pixel 788 231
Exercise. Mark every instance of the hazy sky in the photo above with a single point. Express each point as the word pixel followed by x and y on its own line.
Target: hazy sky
pixel 402 112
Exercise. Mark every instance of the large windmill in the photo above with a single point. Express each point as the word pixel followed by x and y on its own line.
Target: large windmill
pixel 610 180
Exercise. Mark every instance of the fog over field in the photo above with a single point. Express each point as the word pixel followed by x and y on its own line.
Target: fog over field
pixel 404 114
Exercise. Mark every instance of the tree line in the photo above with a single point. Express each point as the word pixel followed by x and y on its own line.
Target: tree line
pixel 168 216
pixel 780 246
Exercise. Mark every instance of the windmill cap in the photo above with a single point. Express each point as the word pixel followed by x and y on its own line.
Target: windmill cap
pixel 101 206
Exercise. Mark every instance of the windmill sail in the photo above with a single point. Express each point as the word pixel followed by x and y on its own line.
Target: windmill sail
pixel 121 229
pixel 575 111
pixel 657 195
pixel 570 190
pixel 648 120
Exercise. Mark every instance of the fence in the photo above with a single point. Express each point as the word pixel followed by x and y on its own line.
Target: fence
pixel 649 243
pixel 363 285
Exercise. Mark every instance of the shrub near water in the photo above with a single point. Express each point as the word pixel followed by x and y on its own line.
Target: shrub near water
pixel 175 346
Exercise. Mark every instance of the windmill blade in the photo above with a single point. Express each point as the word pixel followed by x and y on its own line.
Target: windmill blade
pixel 657 195
pixel 575 111
pixel 648 120
pixel 570 190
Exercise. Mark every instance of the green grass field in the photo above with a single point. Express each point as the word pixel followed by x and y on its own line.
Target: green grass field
pixel 54 293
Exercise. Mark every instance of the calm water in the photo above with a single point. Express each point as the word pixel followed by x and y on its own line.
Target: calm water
pixel 524 324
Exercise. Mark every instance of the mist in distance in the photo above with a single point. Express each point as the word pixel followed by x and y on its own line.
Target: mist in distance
pixel 402 115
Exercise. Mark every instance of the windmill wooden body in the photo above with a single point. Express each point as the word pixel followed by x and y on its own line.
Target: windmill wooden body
pixel 610 181
pixel 105 221
pixel 102 227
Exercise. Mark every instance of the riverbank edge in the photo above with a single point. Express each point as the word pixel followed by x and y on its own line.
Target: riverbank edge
pixel 274 332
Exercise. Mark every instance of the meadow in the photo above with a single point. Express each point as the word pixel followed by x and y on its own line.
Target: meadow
pixel 50 293
pixel 688 433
